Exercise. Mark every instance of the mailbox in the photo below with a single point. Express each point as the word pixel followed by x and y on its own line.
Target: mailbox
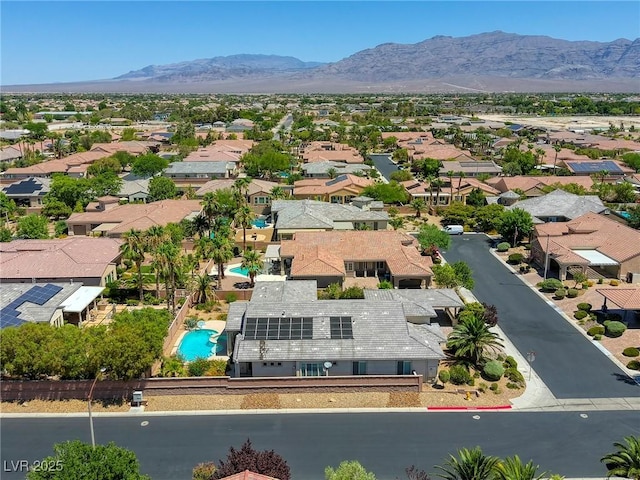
pixel 137 398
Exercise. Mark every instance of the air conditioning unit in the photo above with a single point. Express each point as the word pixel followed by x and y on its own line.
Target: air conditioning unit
pixel 633 277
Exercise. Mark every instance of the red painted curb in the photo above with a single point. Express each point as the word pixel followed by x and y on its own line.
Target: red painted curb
pixel 499 407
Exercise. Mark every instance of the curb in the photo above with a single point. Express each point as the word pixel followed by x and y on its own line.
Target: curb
pixel 457 409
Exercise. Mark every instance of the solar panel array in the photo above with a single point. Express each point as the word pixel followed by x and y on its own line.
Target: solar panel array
pixel 338 179
pixel 594 167
pixel 10 316
pixel 278 328
pixel 341 328
pixel 29 186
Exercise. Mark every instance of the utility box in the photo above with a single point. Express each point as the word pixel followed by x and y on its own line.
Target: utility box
pixel 137 400
pixel 633 277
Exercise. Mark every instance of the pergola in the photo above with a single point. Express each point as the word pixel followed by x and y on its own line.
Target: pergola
pixel 625 298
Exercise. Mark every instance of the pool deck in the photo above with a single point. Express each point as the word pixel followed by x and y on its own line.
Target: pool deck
pixel 217 325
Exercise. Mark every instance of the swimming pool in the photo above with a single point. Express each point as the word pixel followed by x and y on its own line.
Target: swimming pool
pixel 197 344
pixel 259 223
pixel 237 270
pixel 625 215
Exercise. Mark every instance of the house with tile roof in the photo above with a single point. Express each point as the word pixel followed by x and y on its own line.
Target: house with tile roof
pixel 324 169
pixel 185 174
pixel 117 220
pixel 560 206
pixel 462 187
pixel 329 152
pixel 292 216
pixel 341 189
pixel 592 243
pixel 534 186
pixel 258 194
pixel 470 168
pixel 331 256
pixel 91 261
pixel 29 192
pixel 297 335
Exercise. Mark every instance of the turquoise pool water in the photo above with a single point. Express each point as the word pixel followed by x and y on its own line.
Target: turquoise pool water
pixel 259 223
pixel 196 344
pixel 625 215
pixel 240 271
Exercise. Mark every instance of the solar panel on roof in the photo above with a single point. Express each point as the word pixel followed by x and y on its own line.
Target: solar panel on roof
pixel 39 295
pixel 28 186
pixel 278 328
pixel 340 328
pixel 595 167
pixel 339 178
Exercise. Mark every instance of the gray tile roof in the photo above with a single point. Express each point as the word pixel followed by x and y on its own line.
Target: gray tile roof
pixel 32 312
pixel 561 204
pixel 380 332
pixel 298 214
pixel 198 167
pixel 418 302
pixel 287 291
pixel 319 168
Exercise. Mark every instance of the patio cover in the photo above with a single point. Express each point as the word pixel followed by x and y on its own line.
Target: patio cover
pixel 105 227
pixel 272 252
pixel 78 300
pixel 625 298
pixel 595 258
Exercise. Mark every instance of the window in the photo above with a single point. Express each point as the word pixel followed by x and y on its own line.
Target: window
pixel 380 265
pixel 336 199
pixel 260 200
pixel 359 368
pixel 404 368
pixel 348 266
pixel 310 369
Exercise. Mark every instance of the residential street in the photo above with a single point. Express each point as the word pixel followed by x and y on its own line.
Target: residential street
pixel 383 163
pixel 569 443
pixel 568 363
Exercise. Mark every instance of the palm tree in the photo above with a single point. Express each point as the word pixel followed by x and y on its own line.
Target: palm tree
pixel 450 174
pixel 244 217
pixel 168 259
pixel 332 172
pixel 209 208
pixel 397 222
pixel 154 236
pixel 625 462
pixel 471 338
pixel 512 468
pixel 241 187
pixel 252 262
pixel 278 193
pixel 133 248
pixel 203 285
pixel 438 184
pixel 539 155
pixel 469 465
pixel 431 182
pixel 201 224
pixel 461 175
pixel 221 252
pixel 418 205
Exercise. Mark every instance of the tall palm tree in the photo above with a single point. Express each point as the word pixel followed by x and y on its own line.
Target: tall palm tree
pixel 244 217
pixel 241 187
pixel 512 468
pixel 201 224
pixel 203 286
pixel 430 181
pixel 154 236
pixel 133 248
pixel 253 263
pixel 209 208
pixel 332 172
pixel 418 205
pixel 471 338
pixel 557 148
pixel 168 258
pixel 539 155
pixel 625 462
pixel 450 174
pixel 278 193
pixel 221 252
pixel 438 184
pixel 468 465
pixel 461 175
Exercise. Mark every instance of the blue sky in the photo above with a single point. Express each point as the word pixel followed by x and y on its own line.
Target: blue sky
pixel 54 41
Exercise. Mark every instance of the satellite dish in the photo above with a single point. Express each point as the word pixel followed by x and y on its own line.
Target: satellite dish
pixel 327 365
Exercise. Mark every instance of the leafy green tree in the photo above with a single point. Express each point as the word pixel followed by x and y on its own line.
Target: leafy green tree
pixel 457 214
pixel 400 155
pixel 104 165
pixel 32 226
pixel 468 465
pixel 253 263
pixel 265 161
pixel 464 275
pixel 70 190
pixel 107 183
pixel 444 276
pixel 632 160
pixel 515 224
pixel 401 176
pixel 161 188
pixel 56 209
pixel 37 131
pixel 148 165
pixel 6 235
pixel 488 218
pixel 73 460
pixel 266 462
pixel 625 461
pixel 396 222
pixel 430 235
pixel 476 198
pixel 512 468
pixel 348 470
pixel 7 206
pixel 128 134
pixel 624 192
pixel 391 192
pixel 427 167
pixel 634 216
pixel 470 340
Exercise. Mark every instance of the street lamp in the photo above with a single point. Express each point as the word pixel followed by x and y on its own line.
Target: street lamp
pixel 89 400
pixel 531 357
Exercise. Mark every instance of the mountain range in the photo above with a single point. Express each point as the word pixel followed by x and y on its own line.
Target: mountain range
pixel 487 62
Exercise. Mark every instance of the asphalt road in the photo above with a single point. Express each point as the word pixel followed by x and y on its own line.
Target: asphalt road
pixel 570 365
pixel 383 163
pixel 385 443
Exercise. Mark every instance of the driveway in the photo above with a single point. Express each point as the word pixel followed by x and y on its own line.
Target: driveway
pixel 383 163
pixel 569 363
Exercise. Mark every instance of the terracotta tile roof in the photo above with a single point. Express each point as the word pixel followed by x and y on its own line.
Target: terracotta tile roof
pixel 345 156
pixel 248 475
pixel 72 257
pixel 323 186
pixel 440 152
pixel 208 154
pixel 58 165
pixel 626 298
pixel 526 183
pixel 398 249
pixel 138 216
pixel 256 186
pixel 592 231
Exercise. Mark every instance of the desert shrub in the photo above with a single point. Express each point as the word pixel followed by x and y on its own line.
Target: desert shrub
pixel 585 285
pixel 580 314
pixel 503 246
pixel 513 386
pixel 631 352
pixel 190 323
pixel 203 471
pixel 560 293
pixel 515 258
pixel 597 337
pixel 596 330
pixel 633 365
pixel 471 382
pixel 132 302
pixel 493 370
pixel 198 367
pixel 230 297
pixel 514 375
pixel 459 375
pixel 385 285
pixel 150 299
pixel 615 329
pixel 443 376
pixel 222 316
pixel 482 387
pixel 493 387
pixel 550 285
pixel 600 281
pixel 216 368
pixel 572 293
pixel 585 306
pixel 510 362
pixel 614 283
